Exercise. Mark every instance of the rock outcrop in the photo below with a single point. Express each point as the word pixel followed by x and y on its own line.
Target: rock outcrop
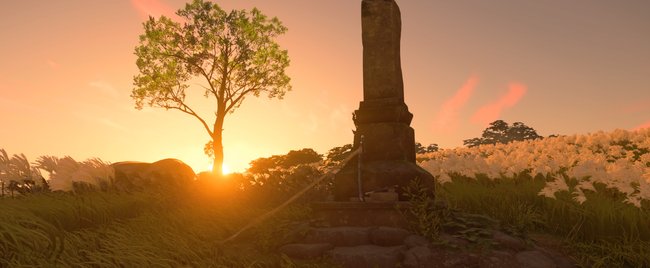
pixel 167 173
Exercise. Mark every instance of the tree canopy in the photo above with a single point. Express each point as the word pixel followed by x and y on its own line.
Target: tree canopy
pixel 291 159
pixel 501 132
pixel 420 149
pixel 234 54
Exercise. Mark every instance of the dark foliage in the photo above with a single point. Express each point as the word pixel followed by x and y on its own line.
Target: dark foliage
pixel 500 132
pixel 419 149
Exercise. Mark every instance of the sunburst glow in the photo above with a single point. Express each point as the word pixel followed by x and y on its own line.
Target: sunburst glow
pixel 225 169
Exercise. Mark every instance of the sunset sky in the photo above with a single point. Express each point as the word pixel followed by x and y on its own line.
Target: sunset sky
pixel 561 67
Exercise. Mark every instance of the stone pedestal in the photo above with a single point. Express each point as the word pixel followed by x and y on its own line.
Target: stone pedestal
pixel 334 214
pixel 378 175
pixel 383 119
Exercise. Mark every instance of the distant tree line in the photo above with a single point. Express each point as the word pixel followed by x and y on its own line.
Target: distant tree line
pixel 501 132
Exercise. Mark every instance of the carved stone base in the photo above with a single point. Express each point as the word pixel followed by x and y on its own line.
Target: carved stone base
pixel 386 141
pixel 379 175
pixel 394 214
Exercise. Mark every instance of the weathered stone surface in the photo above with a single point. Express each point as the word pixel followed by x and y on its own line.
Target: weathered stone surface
pixel 378 175
pixel 560 260
pixel 507 241
pixel 305 251
pixel 171 173
pixel 362 213
pixel 381 29
pixel 417 257
pixel 388 236
pixel 387 141
pixel 383 119
pixel 382 197
pixel 534 259
pixel 381 111
pixel 412 241
pixel 339 236
pixel 367 256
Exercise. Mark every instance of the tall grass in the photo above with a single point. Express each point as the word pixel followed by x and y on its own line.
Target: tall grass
pixel 99 229
pixel 602 222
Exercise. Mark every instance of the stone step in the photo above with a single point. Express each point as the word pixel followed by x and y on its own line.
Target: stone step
pixel 367 256
pixel 382 246
pixel 305 251
pixel 354 236
pixel 339 236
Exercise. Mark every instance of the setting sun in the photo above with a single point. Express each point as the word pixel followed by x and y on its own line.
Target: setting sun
pixel 224 168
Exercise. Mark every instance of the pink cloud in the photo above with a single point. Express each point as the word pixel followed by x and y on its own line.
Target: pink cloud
pixel 154 8
pixel 446 120
pixel 490 112
pixel 636 107
pixel 642 126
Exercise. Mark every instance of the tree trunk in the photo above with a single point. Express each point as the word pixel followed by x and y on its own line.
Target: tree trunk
pixel 217 144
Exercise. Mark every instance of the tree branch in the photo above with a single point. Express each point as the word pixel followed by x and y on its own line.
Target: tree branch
pixel 186 109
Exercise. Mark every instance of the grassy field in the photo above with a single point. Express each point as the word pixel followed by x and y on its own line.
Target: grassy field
pixel 601 232
pixel 96 229
pixel 100 229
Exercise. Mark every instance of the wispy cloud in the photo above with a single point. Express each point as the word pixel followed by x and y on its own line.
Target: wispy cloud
pixel 155 8
pixel 642 126
pixel 289 111
pixel 447 118
pixel 53 64
pixel 490 112
pixel 104 87
pixel 312 124
pixel 340 116
pixel 111 123
pixel 17 106
pixel 101 121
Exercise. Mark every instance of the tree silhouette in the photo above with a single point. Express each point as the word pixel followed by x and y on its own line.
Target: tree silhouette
pixel 293 158
pixel 338 154
pixel 500 132
pixel 420 149
pixel 234 54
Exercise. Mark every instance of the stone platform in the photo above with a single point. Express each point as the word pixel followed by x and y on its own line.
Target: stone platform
pixel 357 213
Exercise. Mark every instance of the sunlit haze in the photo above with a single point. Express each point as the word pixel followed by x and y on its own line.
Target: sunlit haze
pixel 561 67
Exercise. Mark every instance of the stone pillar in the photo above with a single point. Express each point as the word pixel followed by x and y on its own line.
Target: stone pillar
pixel 383 118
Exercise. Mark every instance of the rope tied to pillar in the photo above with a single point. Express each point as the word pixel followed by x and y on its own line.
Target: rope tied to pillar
pixel 259 219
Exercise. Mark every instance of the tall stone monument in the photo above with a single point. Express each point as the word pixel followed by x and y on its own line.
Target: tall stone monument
pixel 383 119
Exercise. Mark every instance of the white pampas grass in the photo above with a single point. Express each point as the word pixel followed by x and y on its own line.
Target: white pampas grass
pixel 92 171
pixel 591 158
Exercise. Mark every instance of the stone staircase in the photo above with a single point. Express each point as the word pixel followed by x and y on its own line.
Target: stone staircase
pixel 357 246
pixel 387 247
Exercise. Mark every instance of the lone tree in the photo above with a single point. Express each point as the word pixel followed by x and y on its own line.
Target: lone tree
pixel 500 132
pixel 235 54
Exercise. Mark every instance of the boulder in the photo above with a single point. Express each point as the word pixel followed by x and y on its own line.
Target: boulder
pixel 508 242
pixel 417 257
pixel 166 173
pixel 412 241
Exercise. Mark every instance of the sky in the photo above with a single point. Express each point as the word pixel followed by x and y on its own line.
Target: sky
pixel 560 67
